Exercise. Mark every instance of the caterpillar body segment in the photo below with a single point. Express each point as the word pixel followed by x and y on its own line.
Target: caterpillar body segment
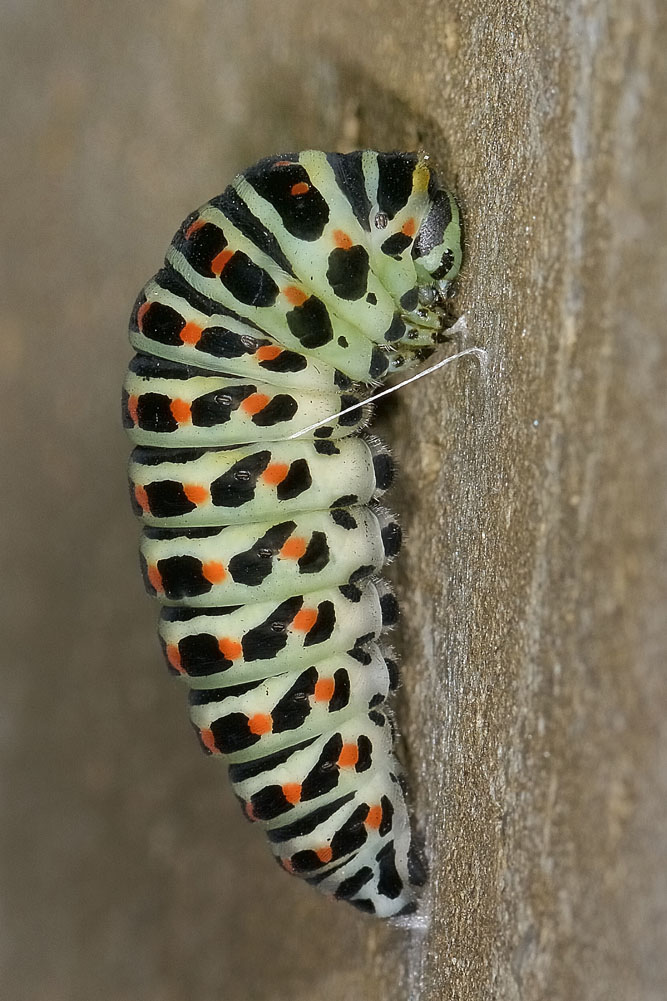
pixel 211 647
pixel 240 563
pixel 185 488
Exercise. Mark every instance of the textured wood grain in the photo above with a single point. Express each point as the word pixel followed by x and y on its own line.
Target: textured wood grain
pixel 534 577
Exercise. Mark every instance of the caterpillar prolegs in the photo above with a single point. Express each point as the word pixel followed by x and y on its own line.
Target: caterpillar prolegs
pixel 312 278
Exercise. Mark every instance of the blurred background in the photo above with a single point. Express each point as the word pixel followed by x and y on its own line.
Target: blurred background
pixel 533 580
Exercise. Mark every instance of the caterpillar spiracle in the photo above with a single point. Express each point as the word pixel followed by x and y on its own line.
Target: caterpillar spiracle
pixel 280 304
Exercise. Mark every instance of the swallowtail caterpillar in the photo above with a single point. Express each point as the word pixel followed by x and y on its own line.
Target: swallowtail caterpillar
pixel 281 304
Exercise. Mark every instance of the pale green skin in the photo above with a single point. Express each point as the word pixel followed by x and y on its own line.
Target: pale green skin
pixel 351 465
pixel 349 548
pixel 368 680
pixel 353 619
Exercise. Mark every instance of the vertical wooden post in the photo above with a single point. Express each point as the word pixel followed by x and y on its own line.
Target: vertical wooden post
pixel 533 498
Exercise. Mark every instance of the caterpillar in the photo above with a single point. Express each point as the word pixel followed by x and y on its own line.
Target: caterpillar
pixel 281 304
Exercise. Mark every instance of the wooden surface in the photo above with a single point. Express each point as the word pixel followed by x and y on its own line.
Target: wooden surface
pixel 534 577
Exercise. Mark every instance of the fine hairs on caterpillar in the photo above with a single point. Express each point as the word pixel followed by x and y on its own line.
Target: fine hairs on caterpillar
pixel 281 304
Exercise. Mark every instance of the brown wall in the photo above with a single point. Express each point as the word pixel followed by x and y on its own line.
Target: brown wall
pixel 533 498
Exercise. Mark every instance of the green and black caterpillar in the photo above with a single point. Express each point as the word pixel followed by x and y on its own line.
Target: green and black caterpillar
pixel 281 303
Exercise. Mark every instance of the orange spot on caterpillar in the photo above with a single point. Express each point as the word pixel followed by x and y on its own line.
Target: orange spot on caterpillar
pixel 193 227
pixel 293 549
pixel 325 854
pixel 268 352
pixel 260 724
pixel 213 571
pixel 208 740
pixel 324 689
pixel 180 411
pixel 132 403
pixel 249 811
pixel 191 333
pixel 155 578
pixel 286 863
pixel 305 619
pixel 294 295
pixel 275 473
pixel 409 227
pixel 300 188
pixel 141 312
pixel 373 817
pixel 174 658
pixel 348 756
pixel 292 792
pixel 142 498
pixel 253 404
pixel 230 649
pixel 220 262
pixel 283 163
pixel 195 493
pixel 341 239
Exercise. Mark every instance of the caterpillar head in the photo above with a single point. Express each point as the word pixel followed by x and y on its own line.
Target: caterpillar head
pixel 437 247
